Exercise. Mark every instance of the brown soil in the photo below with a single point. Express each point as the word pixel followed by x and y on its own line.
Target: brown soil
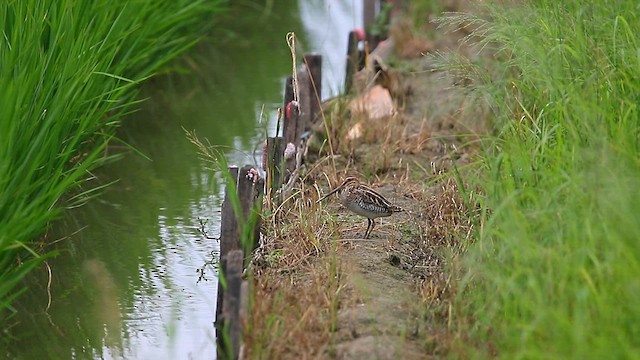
pixel 383 321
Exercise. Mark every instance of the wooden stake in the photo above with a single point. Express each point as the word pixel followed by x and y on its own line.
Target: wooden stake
pixel 291 135
pixel 288 93
pixel 352 60
pixel 230 323
pixel 313 62
pixel 250 190
pixel 275 152
pixel 229 241
pixel 369 13
pixel 229 235
pixel 304 83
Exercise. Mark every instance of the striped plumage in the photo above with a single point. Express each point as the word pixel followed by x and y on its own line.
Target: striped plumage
pixel 363 201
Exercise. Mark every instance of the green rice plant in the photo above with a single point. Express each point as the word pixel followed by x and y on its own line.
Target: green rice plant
pixel 555 272
pixel 68 71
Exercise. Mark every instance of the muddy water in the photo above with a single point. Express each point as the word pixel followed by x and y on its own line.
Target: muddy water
pixel 125 282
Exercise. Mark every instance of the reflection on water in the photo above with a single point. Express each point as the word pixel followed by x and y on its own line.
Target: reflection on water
pixel 124 284
pixel 106 307
pixel 327 24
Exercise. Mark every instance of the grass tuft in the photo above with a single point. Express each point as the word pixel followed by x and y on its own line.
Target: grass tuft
pixel 297 281
pixel 555 271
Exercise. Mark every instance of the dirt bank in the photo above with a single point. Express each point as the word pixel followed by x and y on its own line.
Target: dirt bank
pixel 324 292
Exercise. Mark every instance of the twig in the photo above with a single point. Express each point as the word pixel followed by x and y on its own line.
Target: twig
pixel 202 270
pixel 204 232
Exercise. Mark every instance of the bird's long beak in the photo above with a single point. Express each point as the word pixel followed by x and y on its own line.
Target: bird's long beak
pixel 329 194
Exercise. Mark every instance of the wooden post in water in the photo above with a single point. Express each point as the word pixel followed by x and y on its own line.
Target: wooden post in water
pixel 288 94
pixel 372 10
pixel 250 189
pixel 239 233
pixel 353 58
pixel 291 135
pixel 231 336
pixel 369 13
pixel 229 241
pixel 275 152
pixel 304 94
pixel 313 63
pixel 259 195
pixel 229 235
pixel 291 130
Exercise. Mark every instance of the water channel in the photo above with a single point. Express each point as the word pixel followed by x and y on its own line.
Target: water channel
pixel 124 284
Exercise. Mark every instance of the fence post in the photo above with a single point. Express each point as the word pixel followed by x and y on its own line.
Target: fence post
pixel 291 135
pixel 353 58
pixel 259 194
pixel 250 189
pixel 275 152
pixel 288 93
pixel 229 241
pixel 234 229
pixel 229 326
pixel 229 236
pixel 368 13
pixel 313 62
pixel 304 84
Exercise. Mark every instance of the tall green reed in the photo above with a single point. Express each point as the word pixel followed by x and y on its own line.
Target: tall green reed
pixel 68 71
pixel 555 271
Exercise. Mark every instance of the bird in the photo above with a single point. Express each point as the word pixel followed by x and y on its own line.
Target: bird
pixel 363 201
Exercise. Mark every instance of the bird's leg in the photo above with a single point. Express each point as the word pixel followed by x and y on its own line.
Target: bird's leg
pixel 373 224
pixel 370 226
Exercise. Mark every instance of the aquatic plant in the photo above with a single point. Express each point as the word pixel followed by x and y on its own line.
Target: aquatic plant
pixel 68 71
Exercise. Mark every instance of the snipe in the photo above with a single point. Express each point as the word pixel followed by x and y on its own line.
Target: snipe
pixel 363 201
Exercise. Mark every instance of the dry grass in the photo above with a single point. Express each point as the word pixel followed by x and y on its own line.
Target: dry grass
pixel 293 314
pixel 442 226
pixel 297 282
